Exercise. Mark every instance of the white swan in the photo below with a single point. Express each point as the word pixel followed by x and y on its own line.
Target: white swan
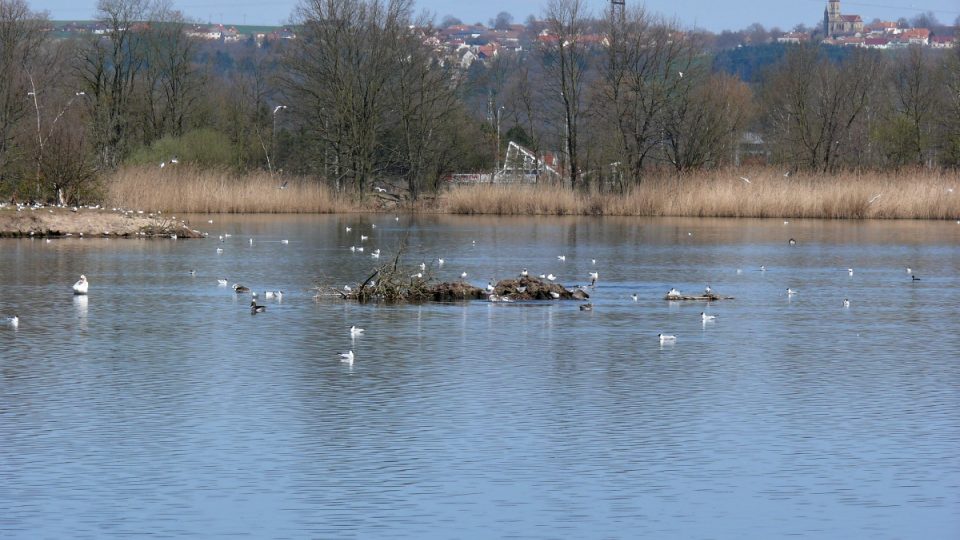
pixel 81 286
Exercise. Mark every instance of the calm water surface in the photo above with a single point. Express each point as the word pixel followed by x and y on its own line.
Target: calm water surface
pixel 159 406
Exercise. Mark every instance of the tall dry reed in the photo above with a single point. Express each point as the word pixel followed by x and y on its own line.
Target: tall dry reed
pixel 903 195
pixel 186 189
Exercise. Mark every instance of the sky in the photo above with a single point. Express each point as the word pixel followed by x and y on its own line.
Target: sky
pixel 712 15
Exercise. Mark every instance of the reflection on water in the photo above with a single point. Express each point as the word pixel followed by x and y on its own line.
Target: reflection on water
pixel 159 405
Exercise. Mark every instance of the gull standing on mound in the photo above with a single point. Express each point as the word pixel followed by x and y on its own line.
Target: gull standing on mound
pixel 81 286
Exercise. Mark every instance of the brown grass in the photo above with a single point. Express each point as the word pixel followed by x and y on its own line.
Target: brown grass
pixel 185 189
pixel 904 195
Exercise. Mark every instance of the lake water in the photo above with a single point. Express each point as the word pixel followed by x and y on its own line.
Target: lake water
pixel 158 405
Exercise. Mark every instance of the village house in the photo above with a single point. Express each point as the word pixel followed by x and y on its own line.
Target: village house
pixel 794 37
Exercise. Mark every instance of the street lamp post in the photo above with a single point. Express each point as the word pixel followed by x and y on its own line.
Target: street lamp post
pixel 273 136
pixel 497 157
pixel 36 106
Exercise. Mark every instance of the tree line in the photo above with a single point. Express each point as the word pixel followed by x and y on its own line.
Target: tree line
pixel 365 93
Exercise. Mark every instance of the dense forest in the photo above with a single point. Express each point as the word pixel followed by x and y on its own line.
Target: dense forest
pixel 364 93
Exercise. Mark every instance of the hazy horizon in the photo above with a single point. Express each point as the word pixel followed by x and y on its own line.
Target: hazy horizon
pixel 735 15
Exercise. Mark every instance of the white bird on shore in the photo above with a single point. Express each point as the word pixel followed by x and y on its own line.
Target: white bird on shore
pixel 12 322
pixel 594 276
pixel 418 275
pixel 707 290
pixel 664 338
pixel 707 318
pixel 346 288
pixel 542 276
pixel 347 357
pixel 673 293
pixel 524 273
pixel 555 295
pixel 355 332
pixel 81 286
pixel 222 282
pixel 551 277
pixel 846 302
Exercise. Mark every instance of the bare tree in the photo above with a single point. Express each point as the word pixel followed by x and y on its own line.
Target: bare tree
pixel 109 66
pixel 22 35
pixel 172 81
pixel 338 74
pixel 812 105
pixel 649 65
pixel 565 61
pixel 914 87
pixel 949 119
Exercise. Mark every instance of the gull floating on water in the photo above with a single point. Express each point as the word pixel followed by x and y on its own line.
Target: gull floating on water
pixel 707 318
pixel 219 251
pixel 594 276
pixel 791 292
pixel 375 254
pixel 792 242
pixel 81 286
pixel 664 338
pixel 363 238
pixel 846 303
pixel 562 257
pixel 354 331
pixel 348 229
pixel 347 288
pixel 273 294
pixel 347 357
pixel 284 241
pixel 440 262
pixel 635 297
pixel 463 275
pixel 593 261
pixel 222 282
pixel 12 322
pixel 850 271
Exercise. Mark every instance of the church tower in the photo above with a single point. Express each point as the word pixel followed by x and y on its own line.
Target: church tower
pixel 831 18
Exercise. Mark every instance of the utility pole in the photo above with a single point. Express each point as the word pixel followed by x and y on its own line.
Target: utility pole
pixel 618 5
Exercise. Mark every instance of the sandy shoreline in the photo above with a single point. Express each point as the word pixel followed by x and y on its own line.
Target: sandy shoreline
pixel 89 222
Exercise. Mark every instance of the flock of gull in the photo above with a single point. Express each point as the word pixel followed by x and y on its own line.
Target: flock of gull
pixel 81 287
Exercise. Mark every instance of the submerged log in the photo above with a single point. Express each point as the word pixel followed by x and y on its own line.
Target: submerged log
pixel 711 297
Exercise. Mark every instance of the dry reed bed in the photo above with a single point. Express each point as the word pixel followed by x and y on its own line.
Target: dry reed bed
pixel 903 195
pixel 184 189
pixel 924 195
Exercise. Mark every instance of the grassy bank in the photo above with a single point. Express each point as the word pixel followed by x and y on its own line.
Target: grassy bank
pixel 924 195
pixel 185 189
pixel 901 195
